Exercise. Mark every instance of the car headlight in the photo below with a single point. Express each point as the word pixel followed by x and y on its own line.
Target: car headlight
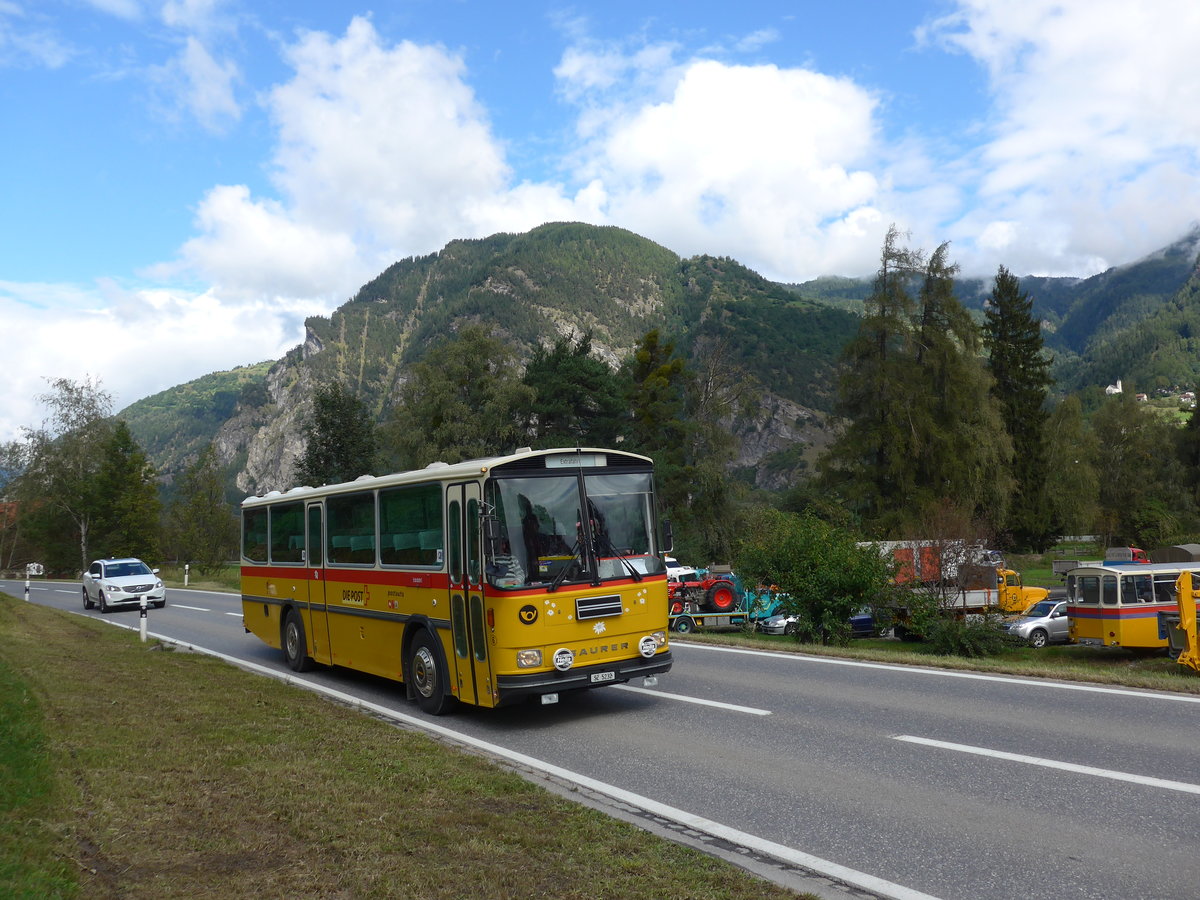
pixel 157 585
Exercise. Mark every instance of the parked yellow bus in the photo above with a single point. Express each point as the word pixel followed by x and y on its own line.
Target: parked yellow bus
pixel 1118 604
pixel 481 582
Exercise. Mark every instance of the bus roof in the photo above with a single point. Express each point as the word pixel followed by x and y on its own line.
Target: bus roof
pixel 440 471
pixel 1134 568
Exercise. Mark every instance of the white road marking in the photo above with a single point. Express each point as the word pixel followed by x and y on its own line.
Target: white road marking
pixel 730 706
pixel 950 673
pixel 1055 764
pixel 238 614
pixel 195 608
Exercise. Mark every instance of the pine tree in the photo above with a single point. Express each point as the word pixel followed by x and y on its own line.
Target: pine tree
pixel 868 465
pixel 1021 379
pixel 917 423
pixel 1072 484
pixel 340 440
pixel 128 521
pixel 204 529
pixel 578 398
pixel 464 401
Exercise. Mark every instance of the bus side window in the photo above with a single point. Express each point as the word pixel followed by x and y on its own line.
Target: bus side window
pixel 1110 590
pixel 254 534
pixel 1129 592
pixel 1089 589
pixel 287 532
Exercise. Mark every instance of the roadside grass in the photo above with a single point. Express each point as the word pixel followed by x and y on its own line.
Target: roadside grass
pixel 134 771
pixel 227 578
pixel 1152 670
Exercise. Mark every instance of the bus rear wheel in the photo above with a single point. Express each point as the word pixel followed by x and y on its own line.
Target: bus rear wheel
pixel 427 675
pixel 295 647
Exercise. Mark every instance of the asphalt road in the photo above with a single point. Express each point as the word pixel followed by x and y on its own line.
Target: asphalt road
pixel 945 784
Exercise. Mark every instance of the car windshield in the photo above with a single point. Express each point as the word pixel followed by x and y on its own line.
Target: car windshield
pixel 546 539
pixel 122 569
pixel 1041 608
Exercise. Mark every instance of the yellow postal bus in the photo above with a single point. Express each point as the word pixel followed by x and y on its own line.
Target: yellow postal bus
pixel 482 582
pixel 1118 604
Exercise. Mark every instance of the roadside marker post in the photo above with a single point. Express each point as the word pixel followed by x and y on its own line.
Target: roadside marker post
pixel 142 627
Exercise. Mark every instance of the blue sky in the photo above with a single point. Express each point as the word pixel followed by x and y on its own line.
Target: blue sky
pixel 185 180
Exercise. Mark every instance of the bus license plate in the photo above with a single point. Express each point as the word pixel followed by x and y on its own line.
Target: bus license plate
pixel 603 676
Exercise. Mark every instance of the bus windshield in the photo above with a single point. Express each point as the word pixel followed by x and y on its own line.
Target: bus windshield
pixel 546 539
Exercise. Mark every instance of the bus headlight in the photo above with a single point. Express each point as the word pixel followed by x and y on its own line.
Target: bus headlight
pixel 660 638
pixel 529 659
pixel 648 646
pixel 563 659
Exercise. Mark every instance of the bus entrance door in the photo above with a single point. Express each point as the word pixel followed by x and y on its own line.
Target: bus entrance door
pixel 316 617
pixel 469 629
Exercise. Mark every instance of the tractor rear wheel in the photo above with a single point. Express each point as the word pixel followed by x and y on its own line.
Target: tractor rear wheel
pixel 721 597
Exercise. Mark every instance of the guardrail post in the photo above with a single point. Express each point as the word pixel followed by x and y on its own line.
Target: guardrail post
pixel 26 589
pixel 142 627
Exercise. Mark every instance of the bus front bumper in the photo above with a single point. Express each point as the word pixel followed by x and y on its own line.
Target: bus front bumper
pixel 514 687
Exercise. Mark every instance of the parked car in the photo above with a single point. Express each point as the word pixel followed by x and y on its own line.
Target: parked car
pixel 862 624
pixel 110 583
pixel 1045 622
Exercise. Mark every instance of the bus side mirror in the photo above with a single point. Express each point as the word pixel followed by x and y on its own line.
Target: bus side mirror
pixel 668 536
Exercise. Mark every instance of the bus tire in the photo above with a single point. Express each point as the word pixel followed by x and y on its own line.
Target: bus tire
pixel 295 645
pixel 427 675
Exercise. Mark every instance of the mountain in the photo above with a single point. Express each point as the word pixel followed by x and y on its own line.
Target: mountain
pixel 1135 322
pixel 560 279
pixel 1139 322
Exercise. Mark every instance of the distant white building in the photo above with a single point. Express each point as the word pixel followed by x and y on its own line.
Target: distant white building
pixel 1113 388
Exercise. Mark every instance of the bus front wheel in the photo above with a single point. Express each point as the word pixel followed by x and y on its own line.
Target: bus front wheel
pixel 428 676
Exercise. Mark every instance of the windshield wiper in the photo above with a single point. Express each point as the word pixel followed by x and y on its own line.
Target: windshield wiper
pixel 637 576
pixel 561 575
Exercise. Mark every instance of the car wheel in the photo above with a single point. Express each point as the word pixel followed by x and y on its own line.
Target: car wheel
pixel 428 675
pixel 160 604
pixel 1038 638
pixel 103 603
pixel 685 625
pixel 295 647
pixel 87 601
pixel 789 628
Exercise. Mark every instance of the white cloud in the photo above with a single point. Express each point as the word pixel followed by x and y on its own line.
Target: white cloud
pixel 772 166
pixel 204 86
pixel 137 342
pixel 25 40
pixel 122 9
pixel 383 152
pixel 1094 139
pixel 190 15
pixel 251 249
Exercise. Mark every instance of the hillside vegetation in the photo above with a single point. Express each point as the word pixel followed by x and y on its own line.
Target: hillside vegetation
pixel 1138 323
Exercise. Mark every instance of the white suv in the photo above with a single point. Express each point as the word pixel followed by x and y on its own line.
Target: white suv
pixel 122 582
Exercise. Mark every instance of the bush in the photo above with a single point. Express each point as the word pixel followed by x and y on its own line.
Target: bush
pixel 972 637
pixel 820 568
